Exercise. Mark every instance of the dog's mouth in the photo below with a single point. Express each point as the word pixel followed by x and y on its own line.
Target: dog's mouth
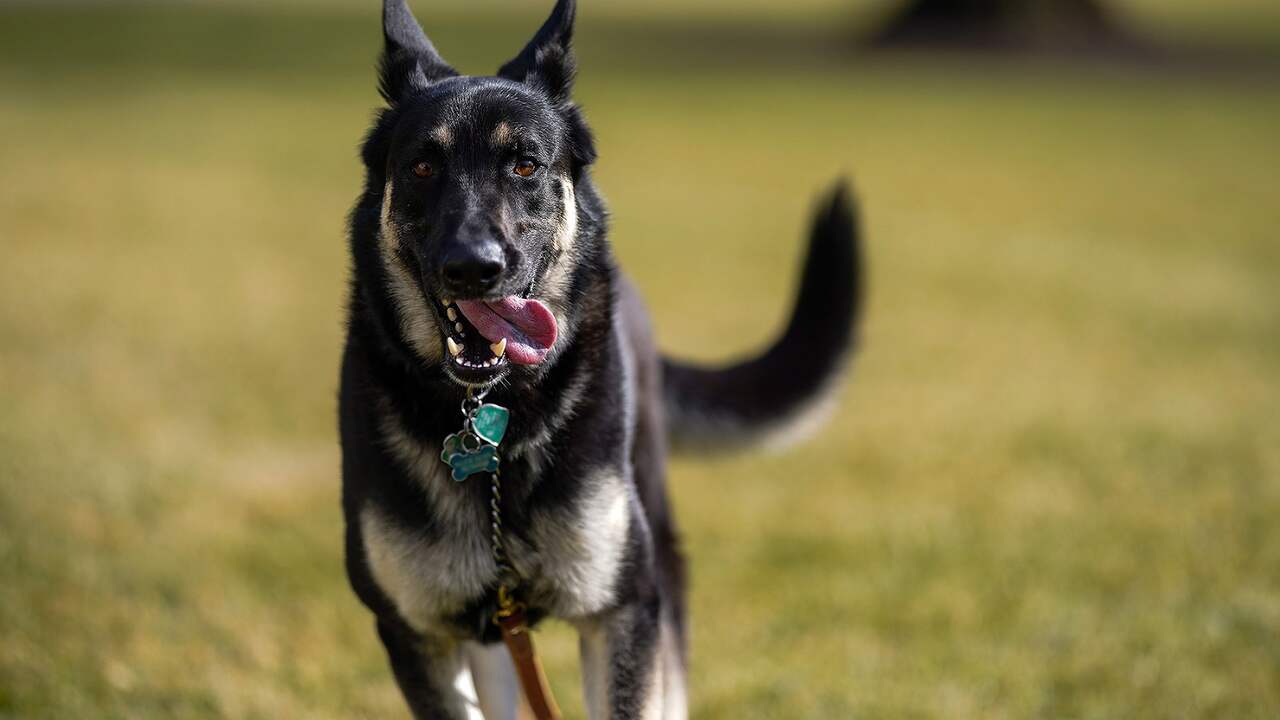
pixel 482 337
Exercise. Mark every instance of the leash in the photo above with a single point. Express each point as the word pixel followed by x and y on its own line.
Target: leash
pixel 474 450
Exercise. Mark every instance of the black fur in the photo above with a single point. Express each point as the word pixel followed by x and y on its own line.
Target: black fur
pixel 588 425
pixel 725 408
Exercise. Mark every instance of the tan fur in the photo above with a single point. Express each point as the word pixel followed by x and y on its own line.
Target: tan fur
pixel 443 135
pixel 580 547
pixel 573 563
pixel 501 136
pixel 594 651
pixel 417 320
pixel 554 287
pixel 426 581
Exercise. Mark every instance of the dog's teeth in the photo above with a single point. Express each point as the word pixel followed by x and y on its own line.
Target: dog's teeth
pixel 453 314
pixel 454 347
pixel 498 348
pixel 458 327
pixel 446 302
pixel 493 361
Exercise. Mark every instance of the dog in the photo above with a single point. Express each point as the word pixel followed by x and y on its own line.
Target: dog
pixel 480 267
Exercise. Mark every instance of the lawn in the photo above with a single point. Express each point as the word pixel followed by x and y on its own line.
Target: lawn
pixel 1051 489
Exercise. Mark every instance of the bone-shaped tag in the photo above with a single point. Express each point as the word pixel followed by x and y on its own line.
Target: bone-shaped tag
pixel 465 464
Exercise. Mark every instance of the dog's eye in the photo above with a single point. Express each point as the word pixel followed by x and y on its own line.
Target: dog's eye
pixel 525 168
pixel 424 170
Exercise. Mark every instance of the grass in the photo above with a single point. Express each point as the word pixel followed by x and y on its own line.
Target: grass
pixel 1050 490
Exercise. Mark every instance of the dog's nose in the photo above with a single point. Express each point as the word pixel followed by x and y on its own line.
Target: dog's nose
pixel 471 269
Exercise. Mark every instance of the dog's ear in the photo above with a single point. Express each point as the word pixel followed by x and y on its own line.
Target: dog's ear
pixel 409 60
pixel 547 61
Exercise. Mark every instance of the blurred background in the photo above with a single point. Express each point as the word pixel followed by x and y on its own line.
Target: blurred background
pixel 1051 489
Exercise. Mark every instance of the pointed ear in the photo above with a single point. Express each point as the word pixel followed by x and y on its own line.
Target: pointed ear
pixel 547 61
pixel 409 60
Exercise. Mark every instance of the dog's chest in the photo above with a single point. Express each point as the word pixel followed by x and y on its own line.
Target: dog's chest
pixel 568 556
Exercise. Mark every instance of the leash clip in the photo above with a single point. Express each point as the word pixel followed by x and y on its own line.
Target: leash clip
pixel 507 605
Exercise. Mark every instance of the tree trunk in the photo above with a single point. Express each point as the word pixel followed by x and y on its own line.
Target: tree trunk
pixel 1002 25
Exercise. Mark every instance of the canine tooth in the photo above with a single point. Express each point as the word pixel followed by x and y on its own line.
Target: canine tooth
pixel 458 327
pixel 454 347
pixel 446 302
pixel 453 314
pixel 498 348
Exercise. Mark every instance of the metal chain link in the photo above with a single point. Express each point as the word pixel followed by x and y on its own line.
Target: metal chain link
pixel 506 572
pixel 507 576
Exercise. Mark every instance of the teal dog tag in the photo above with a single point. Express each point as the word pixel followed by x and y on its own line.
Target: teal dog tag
pixel 452 444
pixel 489 422
pixel 466 451
pixel 465 464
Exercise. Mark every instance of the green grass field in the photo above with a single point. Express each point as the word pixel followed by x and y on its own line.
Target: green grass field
pixel 1052 489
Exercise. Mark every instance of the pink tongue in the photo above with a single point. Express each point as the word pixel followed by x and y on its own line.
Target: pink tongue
pixel 528 326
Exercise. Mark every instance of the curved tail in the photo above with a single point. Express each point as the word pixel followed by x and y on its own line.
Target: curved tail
pixel 769 398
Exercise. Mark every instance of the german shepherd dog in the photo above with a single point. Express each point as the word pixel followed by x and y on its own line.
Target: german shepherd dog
pixel 480 264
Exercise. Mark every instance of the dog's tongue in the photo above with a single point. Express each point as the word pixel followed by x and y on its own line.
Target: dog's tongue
pixel 528 326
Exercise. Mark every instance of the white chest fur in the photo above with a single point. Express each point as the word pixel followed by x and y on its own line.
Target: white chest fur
pixel 570 562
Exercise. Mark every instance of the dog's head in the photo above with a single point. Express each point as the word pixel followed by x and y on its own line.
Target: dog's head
pixel 478 210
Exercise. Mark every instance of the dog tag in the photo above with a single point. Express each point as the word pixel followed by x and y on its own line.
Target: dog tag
pixel 489 422
pixel 466 464
pixel 452 444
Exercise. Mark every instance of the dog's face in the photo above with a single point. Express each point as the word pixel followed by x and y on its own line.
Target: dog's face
pixel 478 209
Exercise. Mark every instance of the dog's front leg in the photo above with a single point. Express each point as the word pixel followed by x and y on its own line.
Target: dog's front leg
pixel 428 672
pixel 621 662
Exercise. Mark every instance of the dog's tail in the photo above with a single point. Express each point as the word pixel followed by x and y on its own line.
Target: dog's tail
pixel 777 396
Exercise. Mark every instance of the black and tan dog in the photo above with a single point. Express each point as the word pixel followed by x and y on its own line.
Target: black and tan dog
pixel 480 261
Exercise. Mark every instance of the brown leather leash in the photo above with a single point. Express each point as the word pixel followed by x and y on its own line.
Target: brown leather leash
pixel 515 633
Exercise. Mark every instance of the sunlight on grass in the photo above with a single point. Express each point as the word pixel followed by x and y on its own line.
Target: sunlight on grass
pixel 1050 490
